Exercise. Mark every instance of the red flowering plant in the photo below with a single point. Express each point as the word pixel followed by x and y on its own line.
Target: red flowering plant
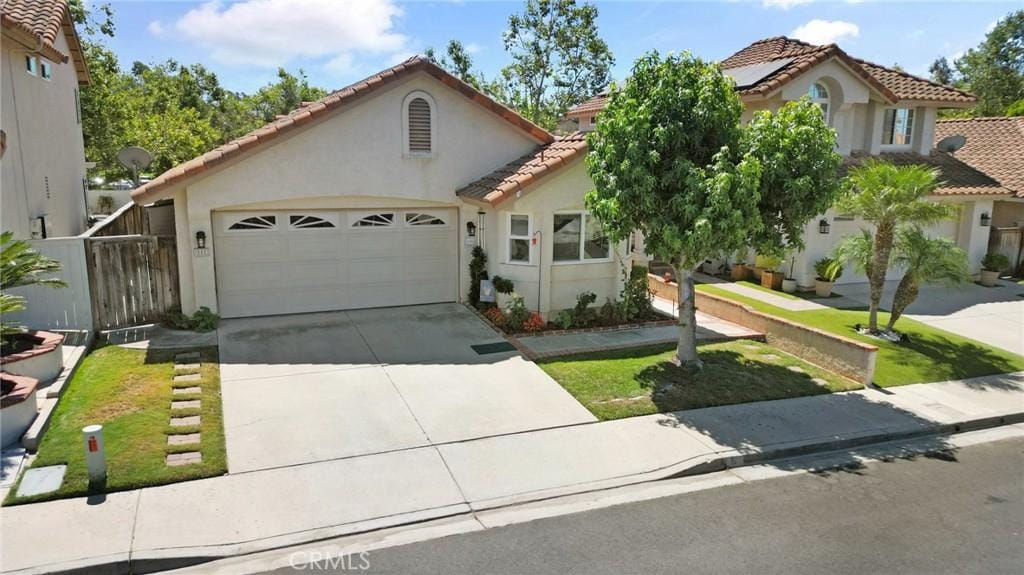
pixel 534 323
pixel 495 315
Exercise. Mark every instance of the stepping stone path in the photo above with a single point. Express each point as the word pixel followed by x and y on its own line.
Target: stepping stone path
pixel 187 458
pixel 186 370
pixel 796 368
pixel 769 356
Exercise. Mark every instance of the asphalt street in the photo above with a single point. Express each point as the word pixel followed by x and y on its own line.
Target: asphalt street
pixel 953 512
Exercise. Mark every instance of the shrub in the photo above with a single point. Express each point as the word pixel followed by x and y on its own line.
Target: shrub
pixel 636 295
pixel 502 285
pixel 202 320
pixel 477 272
pixel 613 312
pixel 565 319
pixel 495 315
pixel 516 313
pixel 995 262
pixel 533 323
pixel 105 204
pixel 767 262
pixel 828 269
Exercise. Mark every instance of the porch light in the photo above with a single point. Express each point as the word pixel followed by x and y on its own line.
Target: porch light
pixel 471 229
pixel 824 227
pixel 200 239
pixel 986 219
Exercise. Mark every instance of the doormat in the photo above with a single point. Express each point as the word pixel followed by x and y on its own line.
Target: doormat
pixel 486 348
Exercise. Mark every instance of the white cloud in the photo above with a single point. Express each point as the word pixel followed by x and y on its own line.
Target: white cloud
pixel 269 33
pixel 784 4
pixel 826 31
pixel 155 28
pixel 399 57
pixel 473 48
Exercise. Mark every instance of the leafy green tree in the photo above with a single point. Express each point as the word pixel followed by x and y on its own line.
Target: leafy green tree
pixel 283 96
pixel 941 72
pixel 459 62
pixel 1016 108
pixel 558 59
pixel 661 163
pixel 924 260
pixel 994 70
pixel 20 266
pixel 93 18
pixel 796 150
pixel 887 195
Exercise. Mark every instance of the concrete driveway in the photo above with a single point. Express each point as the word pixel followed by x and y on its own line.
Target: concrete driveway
pixel 313 387
pixel 991 315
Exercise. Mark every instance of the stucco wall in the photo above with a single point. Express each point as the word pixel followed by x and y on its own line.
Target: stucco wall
pixel 559 282
pixel 352 159
pixel 1007 214
pixel 44 146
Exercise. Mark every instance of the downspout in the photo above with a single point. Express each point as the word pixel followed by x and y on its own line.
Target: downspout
pixel 540 265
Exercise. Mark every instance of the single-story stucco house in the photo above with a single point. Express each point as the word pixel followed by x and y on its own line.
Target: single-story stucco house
pixel 375 196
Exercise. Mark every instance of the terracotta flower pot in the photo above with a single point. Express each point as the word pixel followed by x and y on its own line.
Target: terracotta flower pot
pixel 989 277
pixel 773 280
pixel 823 288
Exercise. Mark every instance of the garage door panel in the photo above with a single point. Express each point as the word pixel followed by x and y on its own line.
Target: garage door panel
pixel 293 270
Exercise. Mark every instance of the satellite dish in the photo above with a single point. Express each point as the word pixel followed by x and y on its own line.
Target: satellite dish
pixel 134 158
pixel 951 144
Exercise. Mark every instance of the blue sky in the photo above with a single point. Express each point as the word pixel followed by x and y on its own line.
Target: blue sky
pixel 340 41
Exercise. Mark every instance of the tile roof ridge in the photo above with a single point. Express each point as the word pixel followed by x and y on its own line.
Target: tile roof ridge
pixel 909 75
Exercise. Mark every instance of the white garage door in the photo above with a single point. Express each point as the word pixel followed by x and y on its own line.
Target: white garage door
pixel 301 261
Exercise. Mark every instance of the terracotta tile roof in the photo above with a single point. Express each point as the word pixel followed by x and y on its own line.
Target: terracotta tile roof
pixel 957 177
pixel 594 104
pixel 520 174
pixel 311 113
pixel 895 86
pixel 38 24
pixel 994 146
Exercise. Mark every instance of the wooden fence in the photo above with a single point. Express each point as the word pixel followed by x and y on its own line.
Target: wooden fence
pixel 133 279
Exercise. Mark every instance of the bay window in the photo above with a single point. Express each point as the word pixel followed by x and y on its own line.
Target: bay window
pixel 518 238
pixel 578 237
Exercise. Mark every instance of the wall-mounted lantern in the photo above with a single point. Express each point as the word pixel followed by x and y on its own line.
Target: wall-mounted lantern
pixel 200 240
pixel 470 229
pixel 986 219
pixel 824 227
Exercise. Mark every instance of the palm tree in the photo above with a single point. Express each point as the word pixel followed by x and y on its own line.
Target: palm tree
pixel 20 265
pixel 888 195
pixel 925 260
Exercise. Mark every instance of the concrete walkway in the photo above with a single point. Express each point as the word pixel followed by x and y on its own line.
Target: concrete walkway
pixel 784 301
pixel 709 328
pixel 258 510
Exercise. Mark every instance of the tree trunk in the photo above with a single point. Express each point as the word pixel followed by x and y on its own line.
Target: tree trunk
pixel 879 265
pixel 905 295
pixel 686 349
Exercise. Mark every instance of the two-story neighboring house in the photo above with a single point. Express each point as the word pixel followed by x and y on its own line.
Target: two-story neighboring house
pixel 42 170
pixel 875 111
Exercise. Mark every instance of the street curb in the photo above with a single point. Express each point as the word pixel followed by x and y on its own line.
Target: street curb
pixel 152 561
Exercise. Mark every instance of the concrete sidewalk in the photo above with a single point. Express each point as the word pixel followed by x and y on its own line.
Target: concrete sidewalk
pixel 168 526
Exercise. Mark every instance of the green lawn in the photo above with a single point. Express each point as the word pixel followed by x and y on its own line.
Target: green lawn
pixel 931 354
pixel 760 287
pixel 615 384
pixel 128 391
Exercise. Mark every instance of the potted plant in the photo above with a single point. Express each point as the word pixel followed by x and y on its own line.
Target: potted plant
pixel 760 264
pixel 770 278
pixel 827 271
pixel 991 266
pixel 789 282
pixel 503 288
pixel 739 270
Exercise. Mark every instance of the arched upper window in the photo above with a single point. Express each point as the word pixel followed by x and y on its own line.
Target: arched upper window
pixel 819 95
pixel 418 120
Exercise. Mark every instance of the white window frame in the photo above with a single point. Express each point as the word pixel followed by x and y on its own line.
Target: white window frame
pixel 509 236
pixel 593 120
pixel 31 65
pixel 354 217
pixel 825 103
pixel 912 120
pixel 406 152
pixel 233 218
pixel 331 218
pixel 585 215
pixel 45 70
